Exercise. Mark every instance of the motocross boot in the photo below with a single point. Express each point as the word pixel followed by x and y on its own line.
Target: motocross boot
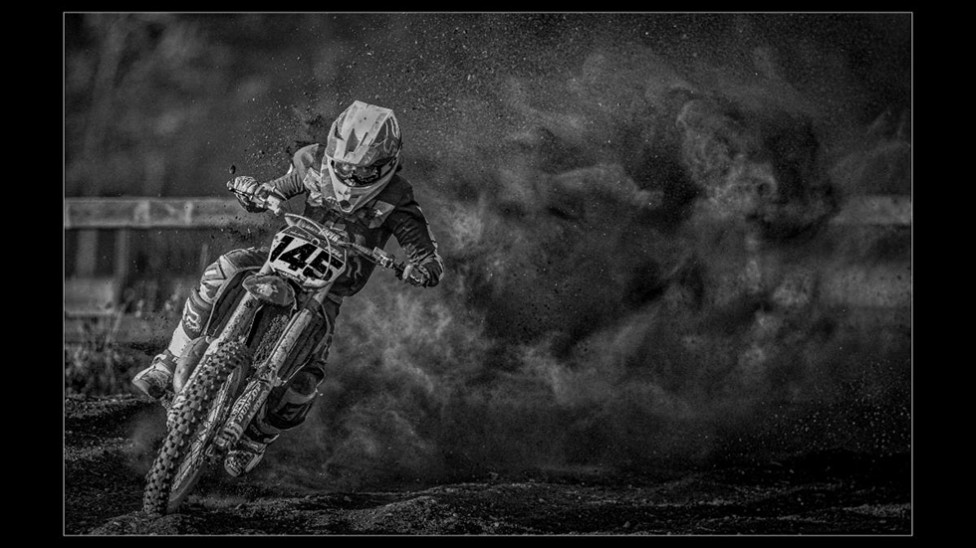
pixel 157 379
pixel 246 454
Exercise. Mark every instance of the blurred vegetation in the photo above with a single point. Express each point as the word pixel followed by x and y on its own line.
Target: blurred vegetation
pixel 154 100
pixel 96 366
pixel 161 104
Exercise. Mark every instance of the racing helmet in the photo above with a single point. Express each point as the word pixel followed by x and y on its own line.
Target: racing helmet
pixel 362 153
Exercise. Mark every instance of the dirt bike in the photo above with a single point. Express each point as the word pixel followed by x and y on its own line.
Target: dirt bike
pixel 263 327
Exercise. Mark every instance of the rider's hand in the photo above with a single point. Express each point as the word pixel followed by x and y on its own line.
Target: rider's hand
pixel 415 274
pixel 255 197
pixel 246 190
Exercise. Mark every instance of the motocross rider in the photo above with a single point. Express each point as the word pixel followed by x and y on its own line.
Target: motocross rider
pixel 353 186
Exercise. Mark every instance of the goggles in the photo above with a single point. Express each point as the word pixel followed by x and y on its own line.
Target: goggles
pixel 355 176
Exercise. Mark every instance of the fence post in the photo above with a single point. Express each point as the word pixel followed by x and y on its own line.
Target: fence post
pixel 204 256
pixel 121 273
pixel 85 256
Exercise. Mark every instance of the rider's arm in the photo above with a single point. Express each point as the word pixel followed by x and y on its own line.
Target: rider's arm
pixel 255 197
pixel 292 183
pixel 288 185
pixel 271 194
pixel 412 231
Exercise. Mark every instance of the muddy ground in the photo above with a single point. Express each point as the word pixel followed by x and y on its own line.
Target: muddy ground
pixel 824 493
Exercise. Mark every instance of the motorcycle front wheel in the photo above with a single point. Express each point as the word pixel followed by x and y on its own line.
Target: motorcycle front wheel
pixel 197 413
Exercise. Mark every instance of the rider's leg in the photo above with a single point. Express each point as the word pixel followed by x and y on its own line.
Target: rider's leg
pixel 287 406
pixel 155 379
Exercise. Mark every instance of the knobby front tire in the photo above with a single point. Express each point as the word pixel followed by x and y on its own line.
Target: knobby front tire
pixel 183 453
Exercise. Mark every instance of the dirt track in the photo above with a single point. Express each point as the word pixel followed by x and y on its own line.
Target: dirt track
pixel 834 493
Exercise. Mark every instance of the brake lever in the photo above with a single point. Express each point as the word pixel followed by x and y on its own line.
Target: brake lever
pixel 376 255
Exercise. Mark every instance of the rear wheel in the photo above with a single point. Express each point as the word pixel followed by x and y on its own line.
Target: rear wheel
pixel 197 413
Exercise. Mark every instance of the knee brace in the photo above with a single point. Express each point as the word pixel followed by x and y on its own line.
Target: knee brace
pixel 196 312
pixel 289 407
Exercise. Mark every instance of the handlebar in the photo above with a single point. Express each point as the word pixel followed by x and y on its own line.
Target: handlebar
pixel 376 255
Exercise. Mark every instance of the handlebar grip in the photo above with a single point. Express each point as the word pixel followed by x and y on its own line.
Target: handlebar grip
pixel 254 202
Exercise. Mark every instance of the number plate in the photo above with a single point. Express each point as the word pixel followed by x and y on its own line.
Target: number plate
pixel 301 256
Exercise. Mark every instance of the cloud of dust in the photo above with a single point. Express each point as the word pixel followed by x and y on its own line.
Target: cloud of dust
pixel 637 241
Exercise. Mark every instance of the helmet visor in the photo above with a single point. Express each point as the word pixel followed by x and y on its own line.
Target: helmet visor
pixel 357 176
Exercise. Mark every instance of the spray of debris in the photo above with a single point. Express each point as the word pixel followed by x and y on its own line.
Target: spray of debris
pixel 635 215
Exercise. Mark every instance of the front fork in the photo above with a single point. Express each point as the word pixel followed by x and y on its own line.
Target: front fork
pixel 267 377
pixel 236 329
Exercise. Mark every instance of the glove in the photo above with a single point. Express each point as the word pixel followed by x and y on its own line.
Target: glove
pixel 246 189
pixel 415 274
pixel 255 197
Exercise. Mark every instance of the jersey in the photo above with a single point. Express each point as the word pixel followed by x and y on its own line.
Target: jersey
pixel 394 211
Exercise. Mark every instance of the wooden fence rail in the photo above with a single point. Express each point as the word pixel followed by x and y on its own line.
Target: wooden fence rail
pixel 93 213
pixel 89 296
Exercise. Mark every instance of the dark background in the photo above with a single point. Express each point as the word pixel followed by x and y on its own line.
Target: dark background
pixel 162 104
